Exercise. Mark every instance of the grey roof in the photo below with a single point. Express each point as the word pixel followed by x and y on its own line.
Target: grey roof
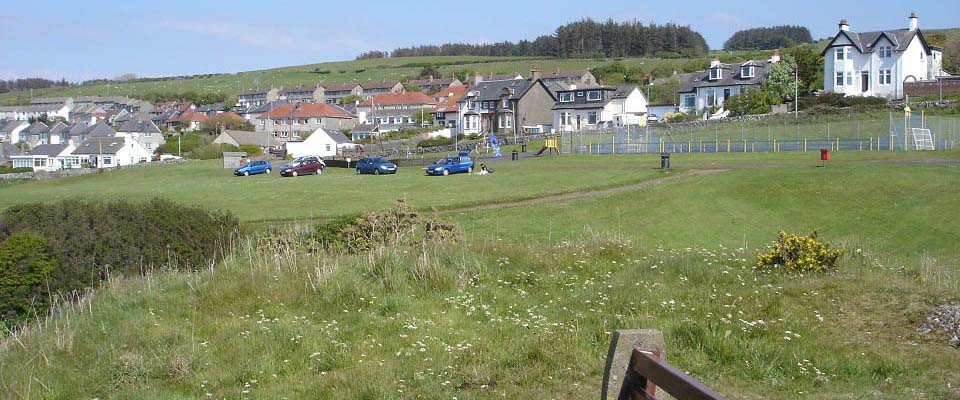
pixel 299 89
pixel 101 129
pixel 365 128
pixel 268 106
pixel 221 106
pixel 492 90
pixel 100 145
pixel 79 128
pixel 33 108
pixel 37 128
pixel 378 85
pixel 337 136
pixel 581 103
pixel 730 77
pixel 865 41
pixel 7 150
pixel 577 73
pixel 139 125
pixel 59 128
pixel 346 87
pixel 49 150
pixel 262 139
pixel 49 100
pixel 7 126
pixel 252 92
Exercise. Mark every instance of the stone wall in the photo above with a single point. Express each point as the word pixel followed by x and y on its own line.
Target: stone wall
pixel 64 173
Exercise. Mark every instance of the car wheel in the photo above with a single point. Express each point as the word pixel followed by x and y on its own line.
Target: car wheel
pixel 358 171
pixel 470 170
pixel 246 173
pixel 294 174
pixel 320 171
pixel 268 170
pixel 376 171
pixel 446 172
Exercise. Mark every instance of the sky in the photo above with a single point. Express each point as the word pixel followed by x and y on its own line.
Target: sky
pixel 104 39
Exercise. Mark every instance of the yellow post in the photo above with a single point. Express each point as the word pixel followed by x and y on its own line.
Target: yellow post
pixel 804 145
pixel 701 145
pixel 838 144
pixel 774 145
pixel 728 145
pixel 689 147
pixel 871 143
pixel 744 146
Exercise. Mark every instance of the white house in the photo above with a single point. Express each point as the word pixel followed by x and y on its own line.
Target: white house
pixel 143 131
pixel 10 130
pixel 111 152
pixel 36 111
pixel 321 142
pixel 702 90
pixel 878 63
pixel 593 107
pixel 45 157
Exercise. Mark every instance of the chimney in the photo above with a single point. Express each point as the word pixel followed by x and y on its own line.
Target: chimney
pixel 477 78
pixel 844 26
pixel 715 63
pixel 775 58
pixel 430 79
pixel 914 21
pixel 535 74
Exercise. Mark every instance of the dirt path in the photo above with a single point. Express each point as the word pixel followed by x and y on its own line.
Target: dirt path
pixel 582 195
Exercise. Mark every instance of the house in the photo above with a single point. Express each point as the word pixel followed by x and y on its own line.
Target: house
pixel 37 111
pixel 431 85
pixel 110 152
pixel 504 106
pixel 372 89
pixel 448 113
pixel 575 77
pixel 174 107
pixel 265 140
pixel 258 97
pixel 878 63
pixel 364 131
pixel 36 134
pixel 212 108
pixel 303 94
pixel 45 157
pixel 118 116
pixel 88 112
pixel 702 91
pixel 8 150
pixel 58 133
pixel 321 142
pixel 594 107
pixel 291 121
pixel 143 131
pixel 193 121
pixel 393 111
pixel 78 133
pixel 333 94
pixel 105 102
pixel 251 113
pixel 10 130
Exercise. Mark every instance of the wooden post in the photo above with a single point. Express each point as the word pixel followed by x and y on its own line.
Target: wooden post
pixel 728 145
pixel 838 144
pixel 804 145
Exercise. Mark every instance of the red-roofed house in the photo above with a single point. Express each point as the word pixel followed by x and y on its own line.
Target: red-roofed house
pixel 191 121
pixel 290 121
pixel 392 111
pixel 447 113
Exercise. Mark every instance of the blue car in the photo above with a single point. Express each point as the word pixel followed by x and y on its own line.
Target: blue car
pixel 253 167
pixel 376 166
pixel 451 165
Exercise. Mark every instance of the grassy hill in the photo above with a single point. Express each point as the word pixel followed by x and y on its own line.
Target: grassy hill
pixel 527 303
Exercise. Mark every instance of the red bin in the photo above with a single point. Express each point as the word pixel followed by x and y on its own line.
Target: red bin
pixel 824 154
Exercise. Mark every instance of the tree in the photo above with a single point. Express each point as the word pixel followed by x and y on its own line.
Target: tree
pixel 428 71
pixel 781 82
pixel 423 117
pixel 349 99
pixel 810 65
pixel 951 56
pixel 25 270
pixel 774 37
pixel 412 88
pixel 752 102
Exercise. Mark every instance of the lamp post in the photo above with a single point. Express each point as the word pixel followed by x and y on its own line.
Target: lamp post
pixel 796 91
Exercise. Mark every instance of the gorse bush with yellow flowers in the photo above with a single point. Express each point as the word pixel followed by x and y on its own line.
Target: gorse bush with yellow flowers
pixel 796 253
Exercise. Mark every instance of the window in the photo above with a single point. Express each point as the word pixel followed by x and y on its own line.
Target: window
pixel 296 122
pixel 839 78
pixel 565 118
pixel 886 77
pixel 841 53
pixel 39 162
pixel 509 121
pixel 746 72
pixel 849 78
pixel 711 98
pixel 566 97
pixel 328 147
pixel 440 115
pixel 715 74
pixel 580 94
pixel 594 95
pixel 107 160
pixel 506 103
pixel 886 51
pixel 592 117
pixel 689 101
pixel 500 122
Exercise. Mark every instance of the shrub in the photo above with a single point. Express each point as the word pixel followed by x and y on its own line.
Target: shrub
pixel 398 225
pixel 796 253
pixel 251 149
pixel 25 270
pixel 434 142
pixel 5 170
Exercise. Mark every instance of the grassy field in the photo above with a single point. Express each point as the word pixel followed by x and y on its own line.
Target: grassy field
pixel 332 73
pixel 526 305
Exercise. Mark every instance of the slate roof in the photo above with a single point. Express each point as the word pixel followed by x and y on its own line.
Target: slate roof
pixel 378 85
pixel 300 89
pixel 8 150
pixel 58 128
pixel 266 107
pixel 578 73
pixel 49 150
pixel 428 82
pixel 865 41
pixel 262 139
pixel 492 90
pixel 386 99
pixel 137 125
pixel 101 129
pixel 365 128
pixel 8 126
pixel 730 77
pixel 221 106
pixel 79 128
pixel 337 136
pixel 252 92
pixel 33 108
pixel 346 87
pixel 100 145
pixel 38 128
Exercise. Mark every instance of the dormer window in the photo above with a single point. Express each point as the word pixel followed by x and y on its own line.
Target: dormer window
pixel 566 97
pixel 594 95
pixel 886 51
pixel 842 53
pixel 715 74
pixel 746 71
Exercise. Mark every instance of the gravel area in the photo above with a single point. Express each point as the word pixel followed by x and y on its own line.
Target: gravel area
pixel 946 317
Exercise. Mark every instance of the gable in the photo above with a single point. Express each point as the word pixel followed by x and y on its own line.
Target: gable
pixel 843 38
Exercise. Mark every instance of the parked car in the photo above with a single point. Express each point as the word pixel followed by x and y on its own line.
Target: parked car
pixel 303 166
pixel 376 166
pixel 253 167
pixel 451 165
pixel 653 118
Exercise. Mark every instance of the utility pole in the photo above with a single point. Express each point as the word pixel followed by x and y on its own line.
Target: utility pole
pixel 796 91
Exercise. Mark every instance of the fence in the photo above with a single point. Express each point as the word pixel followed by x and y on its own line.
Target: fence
pixel 807 134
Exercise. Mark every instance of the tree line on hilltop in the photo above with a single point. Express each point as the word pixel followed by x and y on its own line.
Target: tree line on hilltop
pixel 774 37
pixel 21 84
pixel 585 38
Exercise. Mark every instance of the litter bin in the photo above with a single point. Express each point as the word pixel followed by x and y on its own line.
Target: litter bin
pixel 664 160
pixel 513 155
pixel 523 147
pixel 824 154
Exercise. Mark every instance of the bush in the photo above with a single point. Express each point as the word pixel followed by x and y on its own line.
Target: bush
pixel 25 270
pixel 755 102
pixel 796 253
pixel 251 149
pixel 5 170
pixel 434 142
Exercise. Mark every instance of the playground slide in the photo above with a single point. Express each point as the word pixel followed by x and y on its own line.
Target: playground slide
pixel 542 149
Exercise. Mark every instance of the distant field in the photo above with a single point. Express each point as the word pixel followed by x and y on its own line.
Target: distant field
pixel 332 73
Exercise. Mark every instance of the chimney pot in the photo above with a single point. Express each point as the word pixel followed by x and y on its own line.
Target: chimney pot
pixel 844 25
pixel 914 21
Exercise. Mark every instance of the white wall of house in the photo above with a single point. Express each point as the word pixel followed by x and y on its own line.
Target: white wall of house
pixel 706 97
pixel 317 144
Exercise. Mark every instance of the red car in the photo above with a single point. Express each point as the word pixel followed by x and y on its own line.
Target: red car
pixel 303 166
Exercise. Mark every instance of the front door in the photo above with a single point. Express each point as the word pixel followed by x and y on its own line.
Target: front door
pixel 864 81
pixel 578 122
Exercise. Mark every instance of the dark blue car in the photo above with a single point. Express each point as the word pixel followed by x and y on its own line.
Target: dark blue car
pixel 253 167
pixel 451 165
pixel 376 166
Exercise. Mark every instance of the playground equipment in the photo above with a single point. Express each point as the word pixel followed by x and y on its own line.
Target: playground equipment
pixel 495 145
pixel 551 145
